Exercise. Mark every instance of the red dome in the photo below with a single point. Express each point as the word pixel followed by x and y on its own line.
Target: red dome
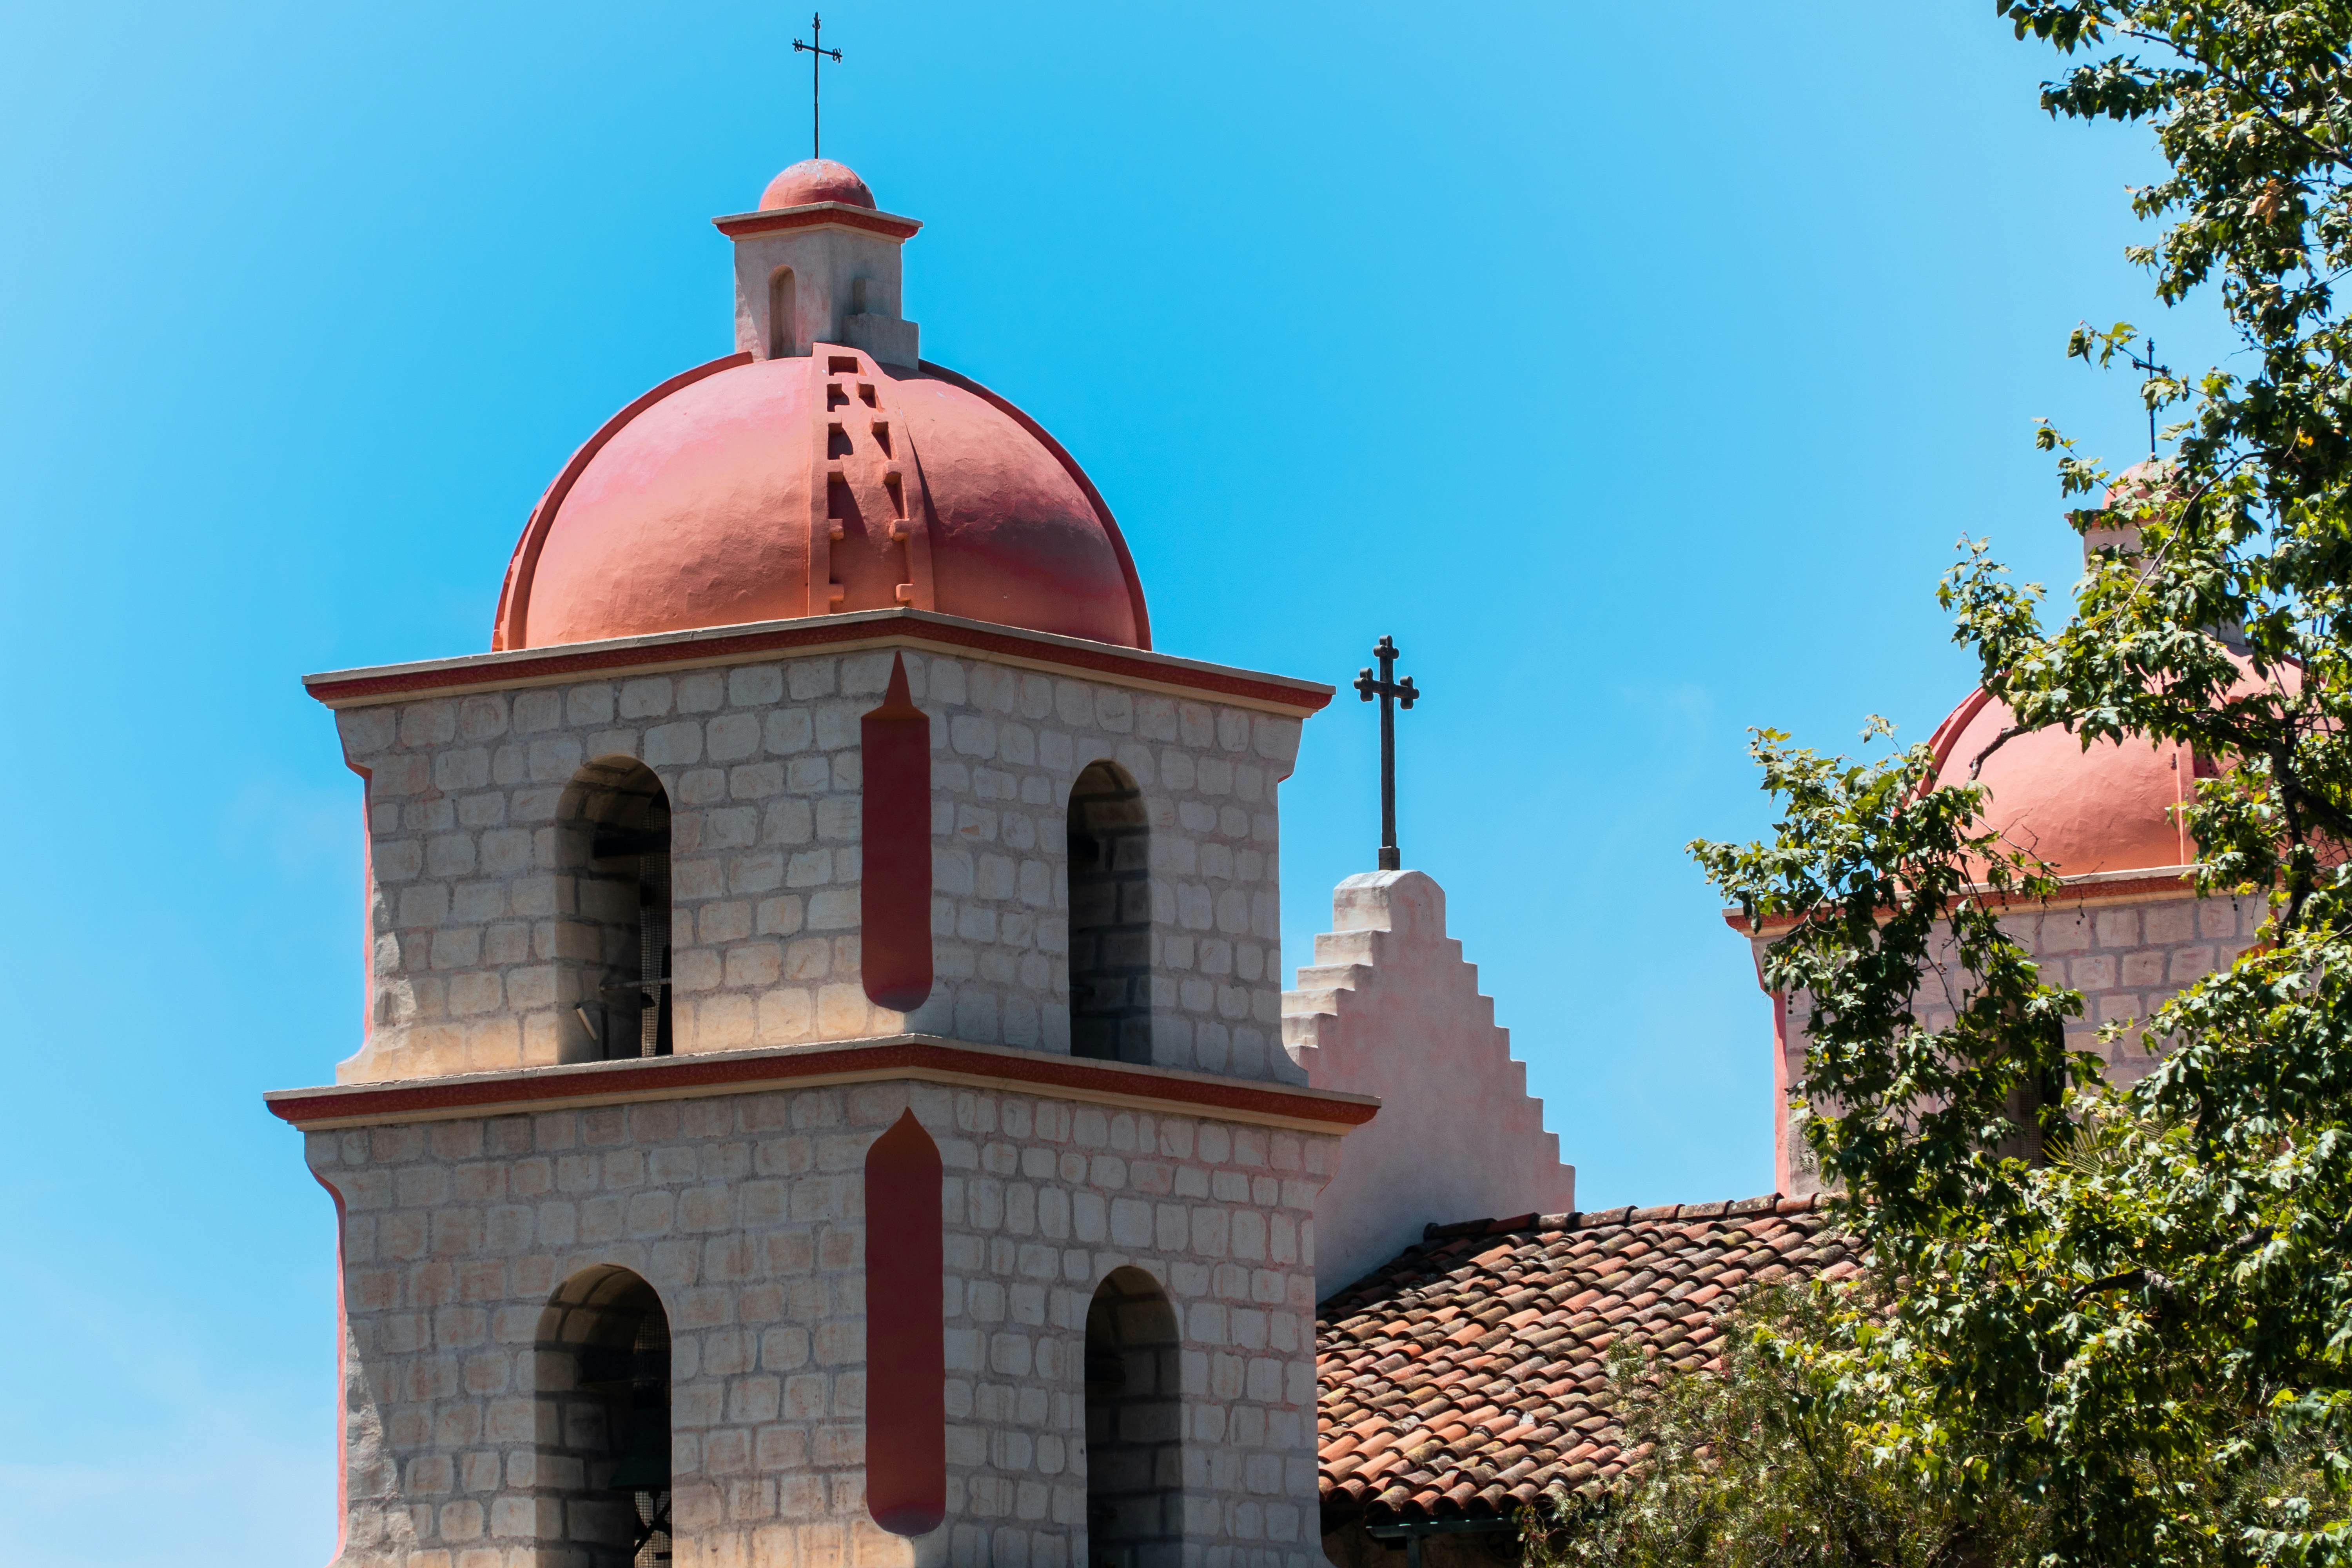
pixel 705 503
pixel 2149 480
pixel 2100 810
pixel 2109 808
pixel 815 179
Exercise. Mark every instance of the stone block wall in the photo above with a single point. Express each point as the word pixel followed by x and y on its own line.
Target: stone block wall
pixel 468 898
pixel 2128 953
pixel 745 1213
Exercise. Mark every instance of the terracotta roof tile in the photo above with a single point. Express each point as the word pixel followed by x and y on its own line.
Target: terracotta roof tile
pixel 1469 1376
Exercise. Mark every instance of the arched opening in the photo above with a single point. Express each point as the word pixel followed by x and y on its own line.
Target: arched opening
pixel 605 1424
pixel 784 317
pixel 1110 918
pixel 613 844
pixel 1135 1427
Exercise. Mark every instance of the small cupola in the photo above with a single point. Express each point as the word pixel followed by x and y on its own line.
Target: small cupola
pixel 821 468
pixel 818 263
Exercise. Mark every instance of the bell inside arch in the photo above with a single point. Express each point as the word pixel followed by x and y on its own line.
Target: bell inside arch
pixel 636 1376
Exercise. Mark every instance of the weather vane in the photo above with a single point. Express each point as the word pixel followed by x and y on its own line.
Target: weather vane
pixel 817 55
pixel 2145 361
pixel 1394 694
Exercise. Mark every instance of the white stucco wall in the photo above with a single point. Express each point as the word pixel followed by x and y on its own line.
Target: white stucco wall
pixel 1390 1008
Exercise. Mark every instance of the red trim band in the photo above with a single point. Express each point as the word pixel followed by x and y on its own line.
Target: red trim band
pixel 489 1093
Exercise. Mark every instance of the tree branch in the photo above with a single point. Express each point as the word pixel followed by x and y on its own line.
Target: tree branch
pixel 2007 735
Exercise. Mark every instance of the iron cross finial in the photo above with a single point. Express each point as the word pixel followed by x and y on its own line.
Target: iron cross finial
pixel 1394 694
pixel 2145 361
pixel 817 56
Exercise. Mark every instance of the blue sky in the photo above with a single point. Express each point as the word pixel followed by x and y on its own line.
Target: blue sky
pixel 1637 379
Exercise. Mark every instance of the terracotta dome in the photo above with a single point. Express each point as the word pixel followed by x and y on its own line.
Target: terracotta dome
pixel 2103 809
pixel 815 179
pixel 705 502
pixel 2149 480
pixel 2107 808
pixel 823 468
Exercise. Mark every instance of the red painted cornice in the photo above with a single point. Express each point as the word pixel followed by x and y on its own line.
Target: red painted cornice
pixel 864 629
pixel 815 214
pixel 918 1057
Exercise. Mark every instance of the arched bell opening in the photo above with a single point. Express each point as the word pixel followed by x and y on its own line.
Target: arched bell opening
pixel 613 852
pixel 605 1424
pixel 1110 917
pixel 1135 1427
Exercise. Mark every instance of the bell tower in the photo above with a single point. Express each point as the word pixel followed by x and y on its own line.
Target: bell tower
pixel 821 1095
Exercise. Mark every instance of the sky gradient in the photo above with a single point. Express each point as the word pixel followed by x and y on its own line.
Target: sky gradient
pixel 1637 380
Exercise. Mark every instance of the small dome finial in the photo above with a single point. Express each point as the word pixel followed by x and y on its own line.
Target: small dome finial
pixel 815 179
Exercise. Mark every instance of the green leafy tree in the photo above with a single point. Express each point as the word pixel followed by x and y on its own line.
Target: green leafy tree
pixel 2125 1311
pixel 1761 1466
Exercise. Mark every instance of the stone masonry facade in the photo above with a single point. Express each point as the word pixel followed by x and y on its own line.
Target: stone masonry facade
pixel 2126 953
pixel 467 901
pixel 745 1213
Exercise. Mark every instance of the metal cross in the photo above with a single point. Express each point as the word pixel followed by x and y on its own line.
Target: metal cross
pixel 817 56
pixel 2146 361
pixel 1394 694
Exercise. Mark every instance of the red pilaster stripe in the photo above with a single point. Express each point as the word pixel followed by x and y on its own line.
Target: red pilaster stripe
pixel 894 893
pixel 906 1345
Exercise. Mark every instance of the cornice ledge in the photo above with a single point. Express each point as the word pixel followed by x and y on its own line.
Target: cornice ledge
pixel 513 667
pixel 813 215
pixel 925 1057
pixel 2089 887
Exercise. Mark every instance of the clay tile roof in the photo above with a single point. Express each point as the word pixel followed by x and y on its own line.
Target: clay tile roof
pixel 1467 1377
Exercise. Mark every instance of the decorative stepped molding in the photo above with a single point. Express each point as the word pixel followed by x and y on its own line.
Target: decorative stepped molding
pixel 1390 1007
